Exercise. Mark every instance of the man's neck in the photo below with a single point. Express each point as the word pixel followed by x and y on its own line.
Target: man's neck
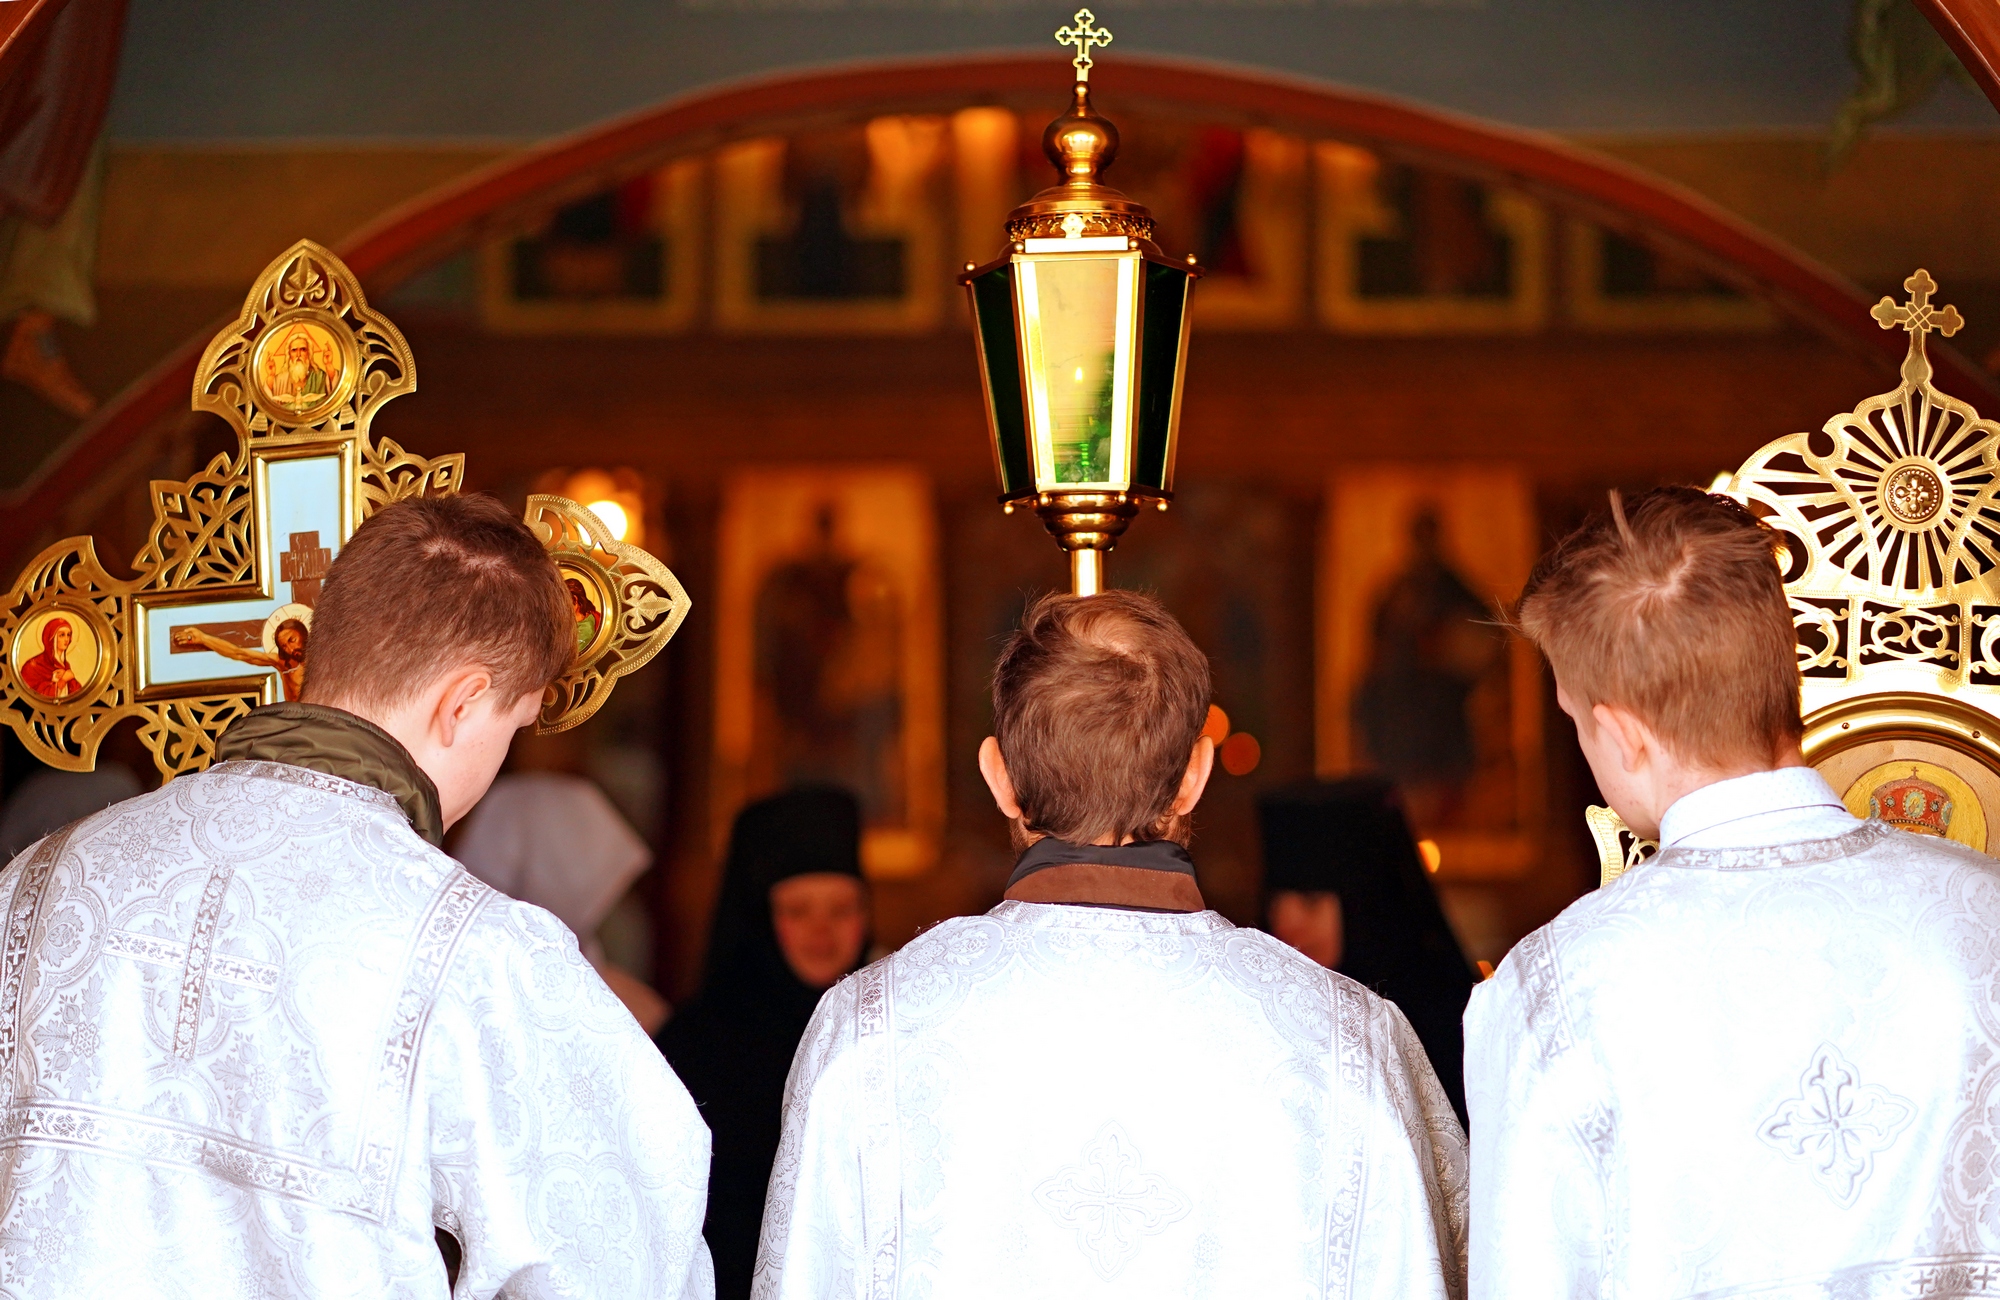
pixel 1094 884
pixel 1766 806
pixel 1155 876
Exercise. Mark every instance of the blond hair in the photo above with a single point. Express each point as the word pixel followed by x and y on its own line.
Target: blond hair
pixel 1672 606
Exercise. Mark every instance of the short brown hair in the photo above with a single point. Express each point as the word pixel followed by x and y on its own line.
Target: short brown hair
pixel 431 583
pixel 1672 606
pixel 1097 703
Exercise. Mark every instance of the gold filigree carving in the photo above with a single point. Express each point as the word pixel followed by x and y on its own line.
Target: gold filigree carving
pixel 1821 627
pixel 1618 849
pixel 388 473
pixel 1890 517
pixel 299 376
pixel 1889 521
pixel 1095 225
pixel 355 360
pixel 637 602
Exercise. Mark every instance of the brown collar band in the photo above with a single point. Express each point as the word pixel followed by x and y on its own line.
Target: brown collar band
pixel 1109 886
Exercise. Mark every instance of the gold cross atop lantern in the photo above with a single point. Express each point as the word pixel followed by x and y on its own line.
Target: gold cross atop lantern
pixel 218 618
pixel 1890 521
pixel 1082 329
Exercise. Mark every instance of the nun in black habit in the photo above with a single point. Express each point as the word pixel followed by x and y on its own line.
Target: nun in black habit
pixel 790 921
pixel 1382 925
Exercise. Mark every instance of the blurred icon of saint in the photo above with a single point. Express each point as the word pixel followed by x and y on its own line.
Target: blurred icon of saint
pixel 1432 648
pixel 829 655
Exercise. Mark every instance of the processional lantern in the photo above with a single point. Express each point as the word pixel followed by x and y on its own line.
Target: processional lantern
pixel 1082 329
pixel 218 618
pixel 1889 521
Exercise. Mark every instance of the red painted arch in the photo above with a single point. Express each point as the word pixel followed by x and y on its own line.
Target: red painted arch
pixel 418 234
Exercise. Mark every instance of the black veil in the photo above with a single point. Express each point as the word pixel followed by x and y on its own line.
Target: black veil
pixel 1350 838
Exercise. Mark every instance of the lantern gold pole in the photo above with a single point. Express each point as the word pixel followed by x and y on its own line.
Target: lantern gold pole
pixel 1086 524
pixel 1086 571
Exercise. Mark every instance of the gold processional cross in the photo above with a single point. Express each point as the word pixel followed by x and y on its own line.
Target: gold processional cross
pixel 1084 35
pixel 217 620
pixel 1918 318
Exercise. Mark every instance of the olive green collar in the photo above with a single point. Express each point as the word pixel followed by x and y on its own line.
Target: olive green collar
pixel 336 742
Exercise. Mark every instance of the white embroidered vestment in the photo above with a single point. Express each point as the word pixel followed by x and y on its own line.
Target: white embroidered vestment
pixel 1055 1101
pixel 259 1039
pixel 1764 1064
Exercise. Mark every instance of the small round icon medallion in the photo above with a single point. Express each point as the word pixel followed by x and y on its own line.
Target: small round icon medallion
pixel 1912 495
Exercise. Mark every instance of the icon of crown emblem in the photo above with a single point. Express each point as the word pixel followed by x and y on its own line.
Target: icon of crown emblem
pixel 1911 803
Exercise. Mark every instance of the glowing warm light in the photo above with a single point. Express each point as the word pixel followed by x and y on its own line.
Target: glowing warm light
pixel 1217 726
pixel 1241 753
pixel 1721 482
pixel 1485 970
pixel 1079 374
pixel 613 516
pixel 1433 857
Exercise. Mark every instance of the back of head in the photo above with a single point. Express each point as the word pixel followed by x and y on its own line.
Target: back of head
pixel 1097 703
pixel 1672 606
pixel 430 584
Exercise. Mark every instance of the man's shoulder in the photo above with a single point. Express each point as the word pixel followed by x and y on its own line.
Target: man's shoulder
pixel 1303 1002
pixel 312 855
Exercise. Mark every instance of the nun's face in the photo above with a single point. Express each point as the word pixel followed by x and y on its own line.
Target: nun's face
pixel 821 920
pixel 1309 922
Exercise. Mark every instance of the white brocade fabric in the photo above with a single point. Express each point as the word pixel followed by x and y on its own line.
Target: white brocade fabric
pixel 1058 1101
pixel 1768 1071
pixel 259 1039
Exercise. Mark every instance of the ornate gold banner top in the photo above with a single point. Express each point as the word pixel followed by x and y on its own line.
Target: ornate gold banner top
pixel 218 617
pixel 1890 520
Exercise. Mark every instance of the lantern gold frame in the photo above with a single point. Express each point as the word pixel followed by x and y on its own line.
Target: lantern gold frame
pixel 1077 230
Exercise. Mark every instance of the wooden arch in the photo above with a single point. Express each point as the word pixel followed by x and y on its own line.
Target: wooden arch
pixel 510 193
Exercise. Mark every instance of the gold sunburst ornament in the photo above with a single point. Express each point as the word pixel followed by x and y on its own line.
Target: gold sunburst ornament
pixel 218 617
pixel 1889 517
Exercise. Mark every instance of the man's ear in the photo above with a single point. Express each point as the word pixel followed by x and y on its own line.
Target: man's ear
pixel 994 768
pixel 1201 765
pixel 457 693
pixel 1635 742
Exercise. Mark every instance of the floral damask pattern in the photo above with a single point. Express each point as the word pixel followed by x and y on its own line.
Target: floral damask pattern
pixel 69 1040
pixel 1021 1104
pixel 257 1001
pixel 1765 1072
pixel 41 1239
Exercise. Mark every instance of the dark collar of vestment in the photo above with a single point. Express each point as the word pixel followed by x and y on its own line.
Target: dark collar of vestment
pixel 338 743
pixel 1147 875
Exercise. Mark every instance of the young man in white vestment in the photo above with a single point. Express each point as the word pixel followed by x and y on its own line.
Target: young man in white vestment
pixel 1766 1062
pixel 1100 1087
pixel 259 1036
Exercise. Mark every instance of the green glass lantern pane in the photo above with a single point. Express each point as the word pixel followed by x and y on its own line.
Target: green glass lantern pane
pixel 993 314
pixel 1077 303
pixel 1165 337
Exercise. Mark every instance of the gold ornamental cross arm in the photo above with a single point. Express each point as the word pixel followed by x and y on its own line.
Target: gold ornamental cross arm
pixel 218 618
pixel 1919 317
pixel 1084 33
